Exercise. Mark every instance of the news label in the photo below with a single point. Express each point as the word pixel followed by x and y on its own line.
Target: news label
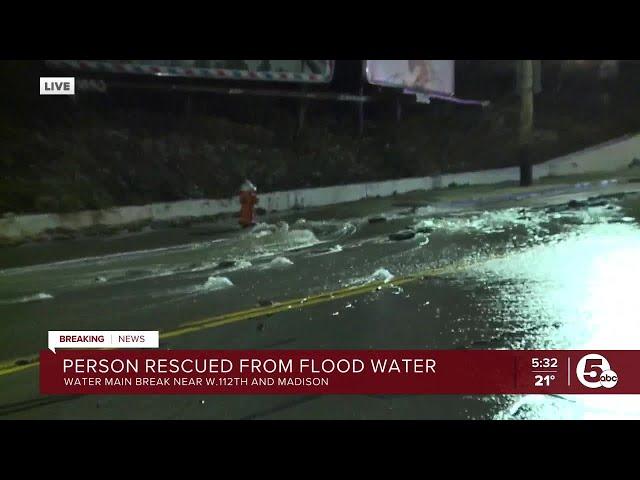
pixel 57 86
pixel 87 339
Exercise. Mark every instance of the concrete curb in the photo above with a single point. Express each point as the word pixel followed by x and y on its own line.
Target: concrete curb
pixel 610 156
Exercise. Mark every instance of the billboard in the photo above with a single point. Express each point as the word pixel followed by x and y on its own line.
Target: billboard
pixel 294 71
pixel 418 76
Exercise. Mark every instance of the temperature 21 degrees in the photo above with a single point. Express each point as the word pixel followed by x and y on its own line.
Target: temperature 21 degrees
pixel 544 380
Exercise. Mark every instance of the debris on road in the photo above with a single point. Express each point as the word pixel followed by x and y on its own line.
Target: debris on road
pixel 226 264
pixel 402 235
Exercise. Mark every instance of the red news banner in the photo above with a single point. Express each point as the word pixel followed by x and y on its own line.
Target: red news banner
pixel 320 372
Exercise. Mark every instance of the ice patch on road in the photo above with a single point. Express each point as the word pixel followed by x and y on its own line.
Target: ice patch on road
pixel 262 233
pixel 267 239
pixel 382 274
pixel 424 225
pixel 216 283
pixel 263 229
pixel 239 265
pixel 236 265
pixel 328 251
pixel 424 240
pixel 123 257
pixel 118 276
pixel 328 230
pixel 533 220
pixel 263 226
pixel 212 284
pixel 482 222
pixel 278 262
pixel 28 298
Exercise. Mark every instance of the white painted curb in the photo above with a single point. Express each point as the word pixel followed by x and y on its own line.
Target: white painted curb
pixel 610 156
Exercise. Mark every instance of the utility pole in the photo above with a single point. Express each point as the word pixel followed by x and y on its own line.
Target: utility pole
pixel 302 111
pixel 526 101
pixel 361 103
pixel 526 121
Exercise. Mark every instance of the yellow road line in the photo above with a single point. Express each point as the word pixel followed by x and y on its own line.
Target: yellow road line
pixel 16 368
pixel 10 367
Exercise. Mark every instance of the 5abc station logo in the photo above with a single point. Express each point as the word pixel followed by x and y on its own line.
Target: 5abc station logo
pixel 594 371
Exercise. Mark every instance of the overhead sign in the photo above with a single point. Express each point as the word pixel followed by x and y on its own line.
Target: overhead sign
pixel 425 76
pixel 295 71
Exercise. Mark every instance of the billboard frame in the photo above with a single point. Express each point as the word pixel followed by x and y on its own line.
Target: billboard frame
pixel 407 89
pixel 193 72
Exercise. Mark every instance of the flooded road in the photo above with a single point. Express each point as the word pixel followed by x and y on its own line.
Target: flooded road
pixel 555 273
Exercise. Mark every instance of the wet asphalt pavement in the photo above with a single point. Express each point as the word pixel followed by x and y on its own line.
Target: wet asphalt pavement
pixel 555 270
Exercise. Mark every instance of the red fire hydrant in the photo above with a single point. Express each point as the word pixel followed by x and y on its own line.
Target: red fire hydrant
pixel 248 200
